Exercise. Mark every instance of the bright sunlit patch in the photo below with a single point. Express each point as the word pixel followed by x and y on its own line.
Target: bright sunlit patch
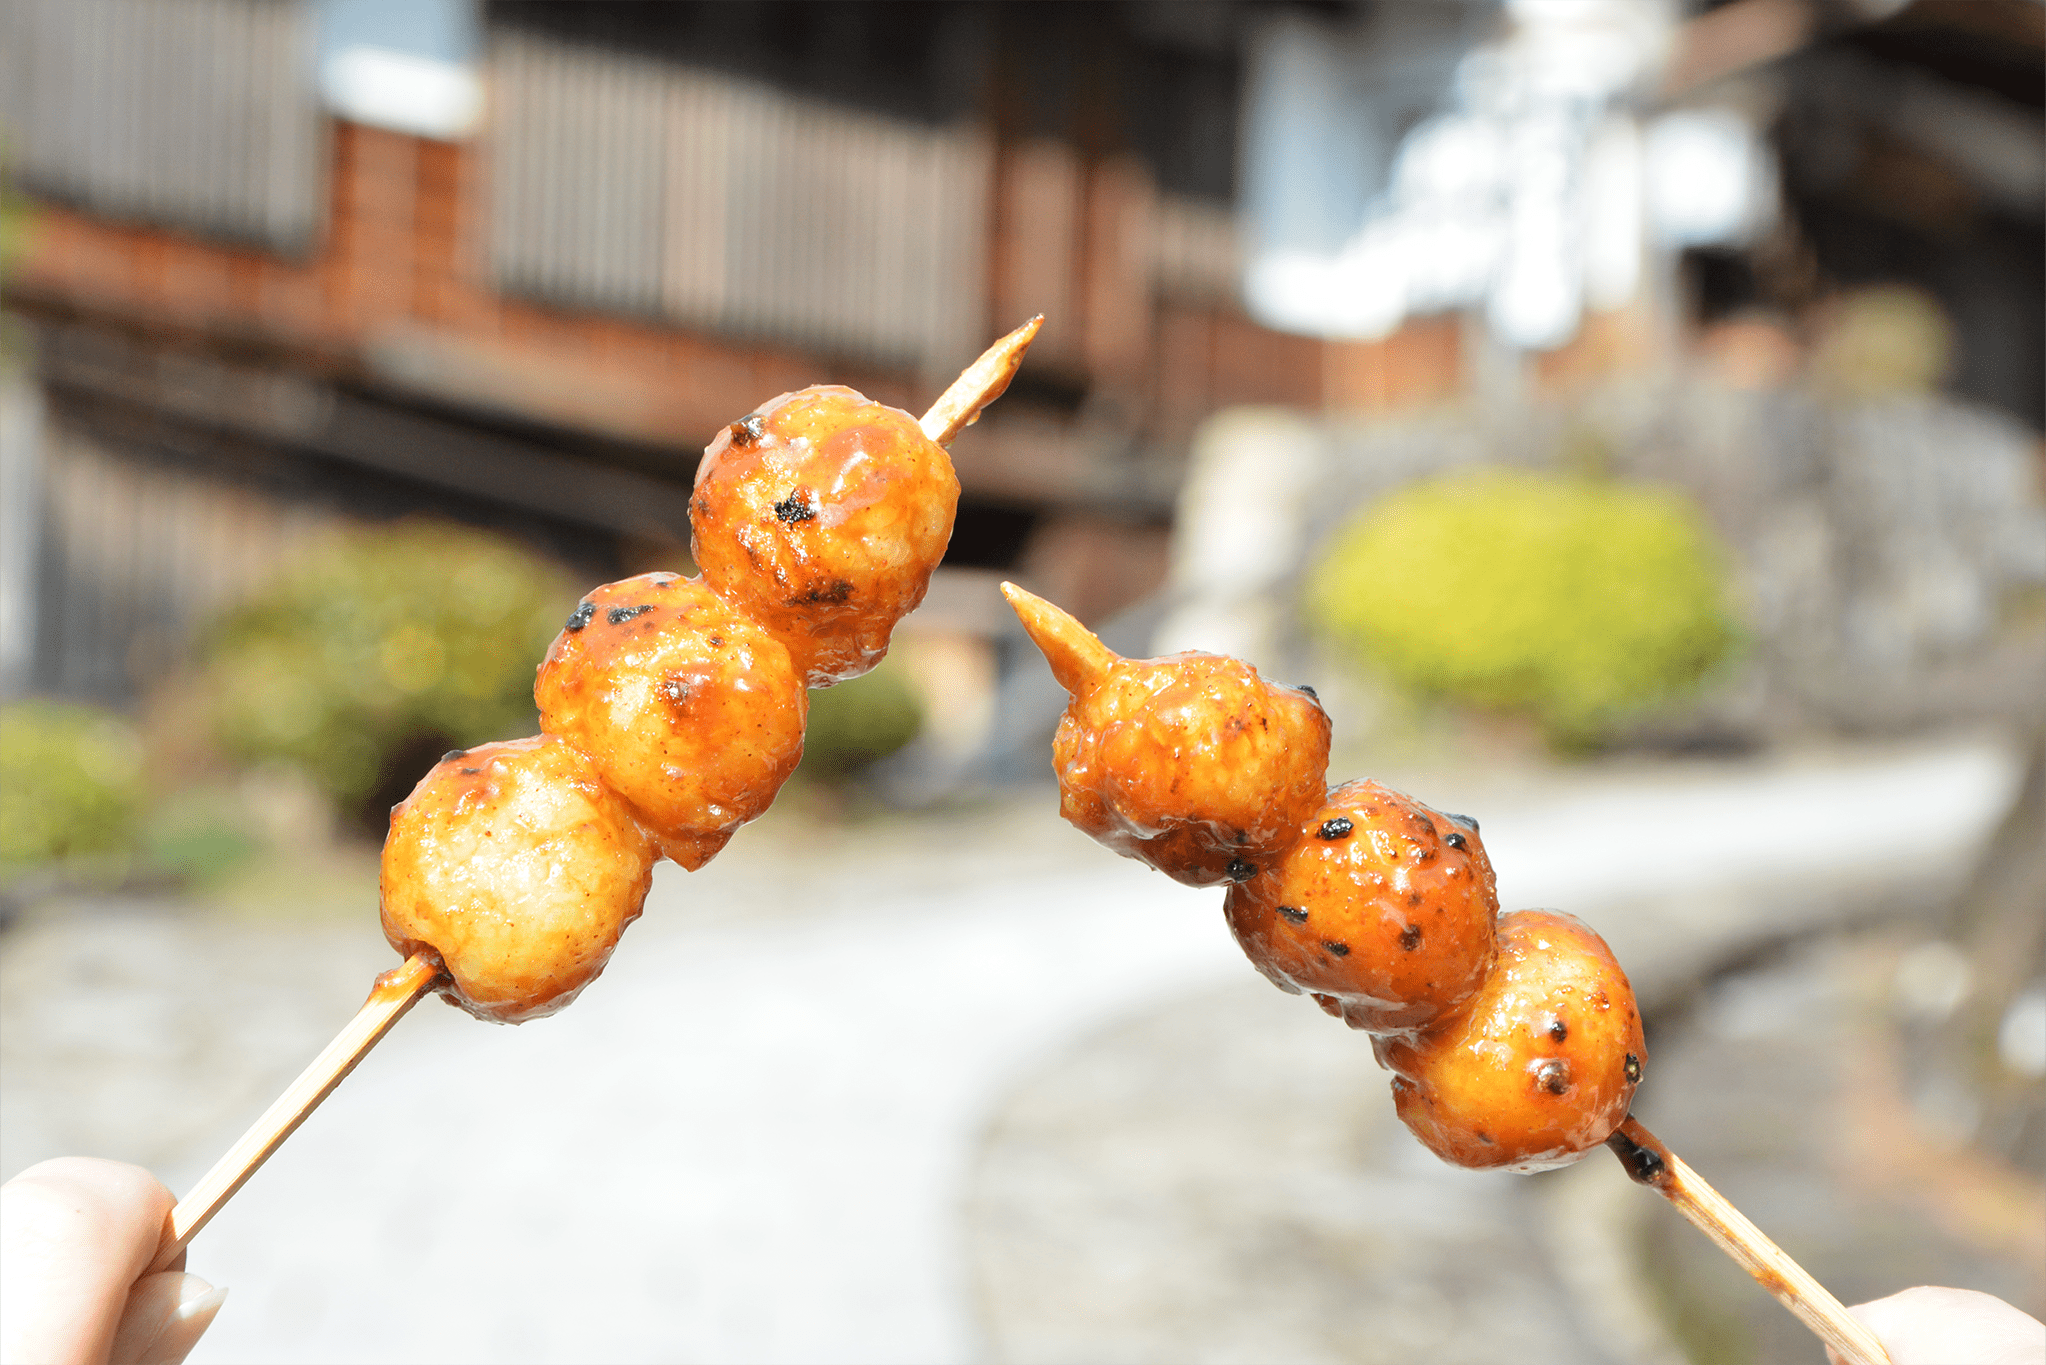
pixel 1506 174
pixel 403 92
pixel 2021 1041
pixel 1708 179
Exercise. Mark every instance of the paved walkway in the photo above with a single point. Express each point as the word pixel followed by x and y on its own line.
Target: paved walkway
pixel 754 1138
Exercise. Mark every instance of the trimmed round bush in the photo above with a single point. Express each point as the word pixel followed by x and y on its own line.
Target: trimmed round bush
pixel 379 640
pixel 1572 600
pixel 70 782
pixel 853 724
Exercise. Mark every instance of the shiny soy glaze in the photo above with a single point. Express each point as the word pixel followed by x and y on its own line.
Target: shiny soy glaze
pixel 821 515
pixel 1382 909
pixel 690 711
pixel 1539 1066
pixel 516 864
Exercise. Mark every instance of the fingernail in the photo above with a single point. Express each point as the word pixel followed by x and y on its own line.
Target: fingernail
pixel 199 1297
pixel 198 1302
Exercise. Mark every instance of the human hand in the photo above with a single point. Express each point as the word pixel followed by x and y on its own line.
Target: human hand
pixel 75 1236
pixel 1928 1326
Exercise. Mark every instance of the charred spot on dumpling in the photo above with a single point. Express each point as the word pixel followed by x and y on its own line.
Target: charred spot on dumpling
pixel 1410 937
pixel 1559 1030
pixel 582 616
pixel 747 429
pixel 1338 828
pixel 795 507
pixel 1336 946
pixel 1633 1069
pixel 1463 820
pixel 1303 687
pixel 827 594
pixel 618 616
pixel 1292 914
pixel 1240 871
pixel 452 754
pixel 1455 840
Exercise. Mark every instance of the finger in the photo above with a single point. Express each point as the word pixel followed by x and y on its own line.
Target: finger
pixel 1932 1326
pixel 75 1233
pixel 166 1314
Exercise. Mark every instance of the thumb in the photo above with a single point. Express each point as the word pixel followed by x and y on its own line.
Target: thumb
pixel 165 1315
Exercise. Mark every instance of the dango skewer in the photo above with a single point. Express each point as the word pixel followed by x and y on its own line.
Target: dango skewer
pixel 395 992
pixel 1513 1039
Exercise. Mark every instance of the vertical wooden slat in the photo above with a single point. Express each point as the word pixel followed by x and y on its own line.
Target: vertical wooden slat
pixel 1115 295
pixel 629 184
pixel 180 111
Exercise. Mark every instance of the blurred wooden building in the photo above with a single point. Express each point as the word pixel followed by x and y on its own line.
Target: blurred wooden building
pixel 246 316
pixel 237 312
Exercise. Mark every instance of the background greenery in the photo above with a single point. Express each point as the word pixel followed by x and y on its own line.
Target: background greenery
pixel 381 645
pixel 860 722
pixel 1573 600
pixel 70 783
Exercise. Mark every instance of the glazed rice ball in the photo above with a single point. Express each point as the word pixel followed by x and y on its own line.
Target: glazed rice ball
pixel 691 711
pixel 821 515
pixel 517 865
pixel 1383 910
pixel 1191 763
pixel 1540 1064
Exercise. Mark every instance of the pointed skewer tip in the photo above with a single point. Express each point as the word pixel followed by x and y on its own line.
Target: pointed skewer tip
pixel 979 384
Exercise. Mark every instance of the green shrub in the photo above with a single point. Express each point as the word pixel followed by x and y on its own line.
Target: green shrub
pixel 860 722
pixel 1572 600
pixel 377 641
pixel 201 834
pixel 70 782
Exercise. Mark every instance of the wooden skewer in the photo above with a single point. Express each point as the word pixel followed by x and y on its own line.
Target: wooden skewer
pixel 399 989
pixel 395 992
pixel 1656 1166
pixel 979 384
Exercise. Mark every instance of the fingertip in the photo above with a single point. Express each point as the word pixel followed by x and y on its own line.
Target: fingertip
pixel 194 1315
pixel 1932 1323
pixel 165 1316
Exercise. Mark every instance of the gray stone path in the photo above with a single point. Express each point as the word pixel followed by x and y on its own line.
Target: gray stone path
pixel 1224 1180
pixel 785 1126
